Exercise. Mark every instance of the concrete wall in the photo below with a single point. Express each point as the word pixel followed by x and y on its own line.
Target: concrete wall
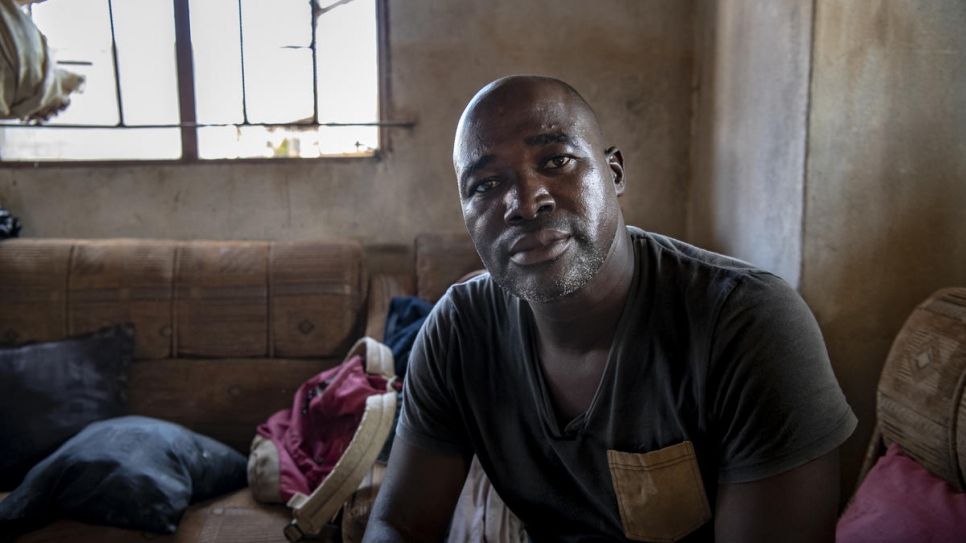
pixel 830 147
pixel 750 131
pixel 632 59
pixel 885 192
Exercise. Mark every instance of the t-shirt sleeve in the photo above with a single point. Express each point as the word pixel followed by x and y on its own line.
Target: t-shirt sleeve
pixel 430 417
pixel 776 402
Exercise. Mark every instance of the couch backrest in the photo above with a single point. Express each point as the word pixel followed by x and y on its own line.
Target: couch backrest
pixel 441 260
pixel 208 299
pixel 226 331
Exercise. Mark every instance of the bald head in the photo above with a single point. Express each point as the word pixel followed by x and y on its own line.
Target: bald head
pixel 522 95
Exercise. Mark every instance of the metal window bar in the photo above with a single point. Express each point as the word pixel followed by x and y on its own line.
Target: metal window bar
pixel 241 50
pixel 314 15
pixel 186 79
pixel 185 71
pixel 117 69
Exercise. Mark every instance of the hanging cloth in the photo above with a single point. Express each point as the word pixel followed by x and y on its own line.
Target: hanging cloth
pixel 32 88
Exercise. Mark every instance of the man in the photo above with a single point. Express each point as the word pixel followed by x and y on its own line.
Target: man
pixel 615 384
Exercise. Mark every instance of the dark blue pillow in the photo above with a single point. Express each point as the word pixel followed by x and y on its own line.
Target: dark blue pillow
pixel 50 391
pixel 131 472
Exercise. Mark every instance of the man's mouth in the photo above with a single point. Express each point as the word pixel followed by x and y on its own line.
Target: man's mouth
pixel 539 247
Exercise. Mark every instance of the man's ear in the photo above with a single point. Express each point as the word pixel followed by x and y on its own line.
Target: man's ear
pixel 616 162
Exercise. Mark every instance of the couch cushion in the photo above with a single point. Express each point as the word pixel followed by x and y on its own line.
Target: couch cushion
pixel 230 518
pixel 318 291
pixel 50 391
pixel 224 398
pixel 114 281
pixel 33 290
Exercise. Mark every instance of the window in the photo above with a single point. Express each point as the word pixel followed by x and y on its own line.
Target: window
pixel 209 79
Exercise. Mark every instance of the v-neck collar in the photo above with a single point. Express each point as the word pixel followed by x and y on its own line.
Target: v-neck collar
pixel 527 335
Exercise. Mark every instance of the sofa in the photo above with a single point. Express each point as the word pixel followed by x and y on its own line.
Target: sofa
pixel 224 333
pixel 911 485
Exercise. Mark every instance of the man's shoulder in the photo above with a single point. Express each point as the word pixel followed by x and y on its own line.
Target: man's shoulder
pixel 475 290
pixel 470 314
pixel 666 247
pixel 678 266
pixel 479 298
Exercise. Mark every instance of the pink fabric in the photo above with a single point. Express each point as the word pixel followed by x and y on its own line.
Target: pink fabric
pixel 900 501
pixel 312 436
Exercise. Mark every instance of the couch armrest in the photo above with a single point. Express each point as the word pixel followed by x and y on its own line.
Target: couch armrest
pixel 382 288
pixel 920 400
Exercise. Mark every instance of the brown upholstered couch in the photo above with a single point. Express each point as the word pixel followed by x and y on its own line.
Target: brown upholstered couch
pixel 226 332
pixel 921 411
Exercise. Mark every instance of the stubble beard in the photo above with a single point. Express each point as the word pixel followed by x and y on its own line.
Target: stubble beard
pixel 542 289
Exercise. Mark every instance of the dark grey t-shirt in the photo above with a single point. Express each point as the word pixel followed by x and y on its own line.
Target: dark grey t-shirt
pixel 718 374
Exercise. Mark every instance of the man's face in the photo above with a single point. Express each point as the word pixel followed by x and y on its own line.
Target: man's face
pixel 539 192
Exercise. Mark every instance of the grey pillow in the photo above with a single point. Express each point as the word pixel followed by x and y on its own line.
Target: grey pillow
pixel 131 472
pixel 50 391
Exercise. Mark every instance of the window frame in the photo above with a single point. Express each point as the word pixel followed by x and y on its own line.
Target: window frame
pixel 188 124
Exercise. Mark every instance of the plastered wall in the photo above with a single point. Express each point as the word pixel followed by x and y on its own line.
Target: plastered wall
pixel 885 192
pixel 632 60
pixel 750 128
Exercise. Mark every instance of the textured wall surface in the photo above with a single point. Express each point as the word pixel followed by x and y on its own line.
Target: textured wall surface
pixel 750 131
pixel 886 183
pixel 632 59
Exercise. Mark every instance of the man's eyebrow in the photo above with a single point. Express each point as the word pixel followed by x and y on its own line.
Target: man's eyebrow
pixel 536 140
pixel 476 166
pixel 545 139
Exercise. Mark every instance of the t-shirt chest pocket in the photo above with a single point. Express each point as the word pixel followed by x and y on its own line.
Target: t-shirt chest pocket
pixel 659 493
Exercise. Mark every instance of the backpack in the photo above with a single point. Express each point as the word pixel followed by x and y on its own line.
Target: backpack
pixel 314 455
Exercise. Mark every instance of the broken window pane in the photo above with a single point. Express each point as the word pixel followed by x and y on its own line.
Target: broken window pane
pixel 259 89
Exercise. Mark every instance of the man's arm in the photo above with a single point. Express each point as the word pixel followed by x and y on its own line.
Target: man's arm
pixel 417 497
pixel 797 506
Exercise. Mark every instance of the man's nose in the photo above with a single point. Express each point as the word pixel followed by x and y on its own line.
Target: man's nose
pixel 528 198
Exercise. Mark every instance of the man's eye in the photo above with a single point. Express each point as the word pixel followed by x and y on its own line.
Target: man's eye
pixel 485 186
pixel 558 162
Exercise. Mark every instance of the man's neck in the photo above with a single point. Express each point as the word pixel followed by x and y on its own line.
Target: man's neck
pixel 587 320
